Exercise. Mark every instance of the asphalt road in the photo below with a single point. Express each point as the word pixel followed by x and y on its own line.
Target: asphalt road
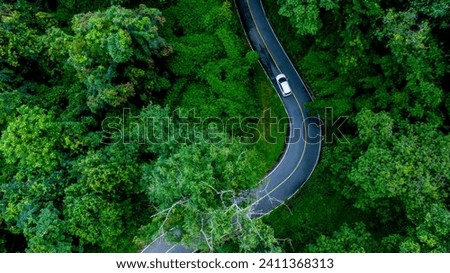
pixel 304 139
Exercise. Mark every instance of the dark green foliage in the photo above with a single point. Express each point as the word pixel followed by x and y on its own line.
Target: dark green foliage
pixel 112 169
pixel 409 169
pixel 345 240
pixel 92 158
pixel 210 60
pixel 18 40
pixel 194 189
pixel 46 232
pixel 105 43
pixel 89 145
pixel 19 47
pixel 384 64
pixel 348 62
pixel 98 220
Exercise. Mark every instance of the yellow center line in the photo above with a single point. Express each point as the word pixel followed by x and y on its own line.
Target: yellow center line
pixel 289 176
pixel 304 125
pixel 260 35
pixel 298 104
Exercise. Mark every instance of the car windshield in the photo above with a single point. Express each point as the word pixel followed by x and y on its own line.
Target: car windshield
pixel 282 80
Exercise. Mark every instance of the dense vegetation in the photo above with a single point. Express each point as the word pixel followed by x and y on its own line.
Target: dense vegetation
pixel 111 114
pixel 111 121
pixel 382 186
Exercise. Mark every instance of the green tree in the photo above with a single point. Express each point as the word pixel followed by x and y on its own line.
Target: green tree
pixel 210 62
pixel 383 64
pixel 193 190
pixel 99 222
pixel 112 169
pixel 402 175
pixel 29 208
pixel 31 142
pixel 46 232
pixel 254 236
pixel 423 67
pixel 18 40
pixel 346 240
pixel 412 165
pixel 70 167
pixel 303 14
pixel 107 42
pixel 19 47
pixel 100 207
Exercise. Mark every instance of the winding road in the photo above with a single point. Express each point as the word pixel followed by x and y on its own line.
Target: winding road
pixel 304 139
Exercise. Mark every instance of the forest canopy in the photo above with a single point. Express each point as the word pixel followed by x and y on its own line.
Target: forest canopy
pixel 385 65
pixel 101 151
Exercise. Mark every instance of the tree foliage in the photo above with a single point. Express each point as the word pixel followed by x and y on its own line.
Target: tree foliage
pixel 105 42
pixel 210 61
pixel 345 240
pixel 382 64
pixel 31 142
pixel 195 189
pixel 89 144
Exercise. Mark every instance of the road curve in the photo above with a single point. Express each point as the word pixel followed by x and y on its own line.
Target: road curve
pixel 304 139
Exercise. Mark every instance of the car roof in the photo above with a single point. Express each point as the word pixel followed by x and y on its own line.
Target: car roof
pixel 286 87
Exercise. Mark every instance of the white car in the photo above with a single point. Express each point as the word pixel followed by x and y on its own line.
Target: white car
pixel 283 84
